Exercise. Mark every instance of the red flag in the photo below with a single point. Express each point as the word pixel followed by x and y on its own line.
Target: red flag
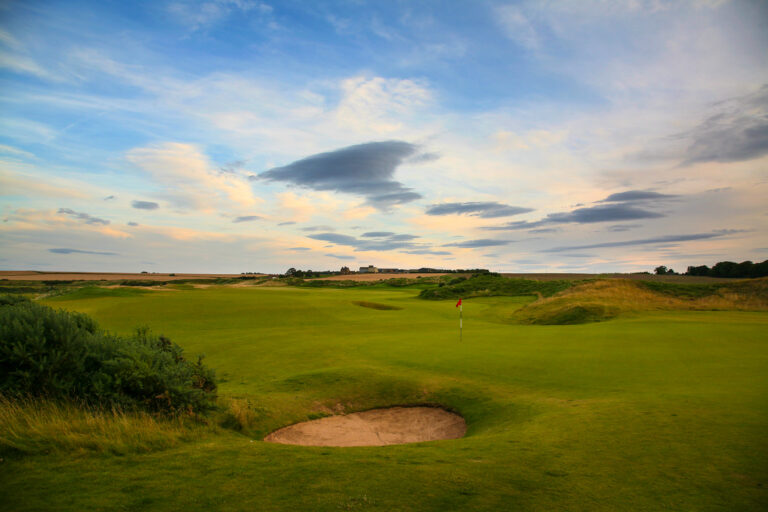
pixel 458 303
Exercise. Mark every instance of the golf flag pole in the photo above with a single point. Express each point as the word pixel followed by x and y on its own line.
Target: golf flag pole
pixel 461 327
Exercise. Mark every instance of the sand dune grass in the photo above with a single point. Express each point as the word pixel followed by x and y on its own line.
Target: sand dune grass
pixel 30 426
pixel 604 299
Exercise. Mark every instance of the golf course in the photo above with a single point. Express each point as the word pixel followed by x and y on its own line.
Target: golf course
pixel 659 409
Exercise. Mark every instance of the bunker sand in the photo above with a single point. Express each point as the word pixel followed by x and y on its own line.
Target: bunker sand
pixel 379 427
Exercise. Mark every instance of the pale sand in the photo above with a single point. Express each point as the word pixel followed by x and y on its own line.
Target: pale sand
pixel 379 427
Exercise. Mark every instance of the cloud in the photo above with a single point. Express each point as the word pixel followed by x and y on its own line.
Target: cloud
pixel 78 251
pixel 299 249
pixel 189 178
pixel 635 195
pixel 600 213
pixel 486 210
pixel 365 245
pixel 246 218
pixel 287 223
pixel 133 224
pixel 400 238
pixel 483 242
pixel 517 26
pixel 363 169
pixel 144 205
pixel 623 227
pixel 390 236
pixel 340 256
pixel 544 230
pixel 109 198
pixel 427 251
pixel 199 15
pixel 318 228
pixel 233 166
pixel 645 241
pixel 377 234
pixel 738 132
pixel 88 219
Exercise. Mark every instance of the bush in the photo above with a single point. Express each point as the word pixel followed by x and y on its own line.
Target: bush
pixel 489 284
pixel 58 354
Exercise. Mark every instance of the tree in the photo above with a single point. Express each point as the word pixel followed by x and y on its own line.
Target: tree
pixel 290 272
pixel 701 270
pixel 661 270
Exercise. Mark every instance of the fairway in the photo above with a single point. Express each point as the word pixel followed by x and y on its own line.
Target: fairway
pixel 651 411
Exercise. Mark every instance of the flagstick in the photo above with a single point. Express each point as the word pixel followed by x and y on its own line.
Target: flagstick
pixel 461 326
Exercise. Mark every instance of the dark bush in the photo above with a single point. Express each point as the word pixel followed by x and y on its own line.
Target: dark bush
pixel 490 284
pixel 59 354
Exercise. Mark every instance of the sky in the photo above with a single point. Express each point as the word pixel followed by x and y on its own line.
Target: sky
pixel 229 136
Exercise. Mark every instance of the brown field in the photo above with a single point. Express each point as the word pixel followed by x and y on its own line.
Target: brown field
pixel 376 277
pixel 635 277
pixel 33 275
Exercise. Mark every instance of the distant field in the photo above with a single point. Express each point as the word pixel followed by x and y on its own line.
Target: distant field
pixel 32 275
pixel 676 278
pixel 376 277
pixel 655 410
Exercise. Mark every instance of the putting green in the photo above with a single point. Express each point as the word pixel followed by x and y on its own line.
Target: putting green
pixel 662 411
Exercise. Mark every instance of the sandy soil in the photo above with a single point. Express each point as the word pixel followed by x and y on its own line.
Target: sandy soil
pixel 375 277
pixel 379 427
pixel 32 275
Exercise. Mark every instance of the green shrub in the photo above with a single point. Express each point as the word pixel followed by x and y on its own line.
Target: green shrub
pixel 483 285
pixel 571 314
pixel 59 354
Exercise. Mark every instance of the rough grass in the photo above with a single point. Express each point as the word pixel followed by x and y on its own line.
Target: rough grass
pixel 601 300
pixel 91 292
pixel 488 285
pixel 39 426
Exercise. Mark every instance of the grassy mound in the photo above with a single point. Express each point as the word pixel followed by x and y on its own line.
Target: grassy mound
pixel 488 285
pixel 95 292
pixel 601 300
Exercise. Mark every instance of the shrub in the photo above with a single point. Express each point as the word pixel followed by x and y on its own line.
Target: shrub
pixel 59 354
pixel 489 284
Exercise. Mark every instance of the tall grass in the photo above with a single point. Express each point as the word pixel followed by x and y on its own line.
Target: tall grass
pixel 594 301
pixel 35 425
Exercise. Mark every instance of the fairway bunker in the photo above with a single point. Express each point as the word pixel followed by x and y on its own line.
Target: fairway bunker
pixel 377 427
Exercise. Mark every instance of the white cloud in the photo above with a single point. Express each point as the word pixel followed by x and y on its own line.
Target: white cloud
pixel 518 27
pixel 199 15
pixel 189 178
pixel 379 104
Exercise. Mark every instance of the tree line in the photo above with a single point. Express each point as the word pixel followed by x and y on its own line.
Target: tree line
pixel 723 269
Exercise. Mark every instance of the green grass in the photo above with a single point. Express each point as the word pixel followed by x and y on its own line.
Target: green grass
pixel 375 305
pixel 663 410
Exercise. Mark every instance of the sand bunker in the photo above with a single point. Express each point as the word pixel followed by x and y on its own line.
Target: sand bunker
pixel 379 427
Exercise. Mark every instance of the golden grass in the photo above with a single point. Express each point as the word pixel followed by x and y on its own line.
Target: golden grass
pixel 239 415
pixel 604 299
pixel 29 426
